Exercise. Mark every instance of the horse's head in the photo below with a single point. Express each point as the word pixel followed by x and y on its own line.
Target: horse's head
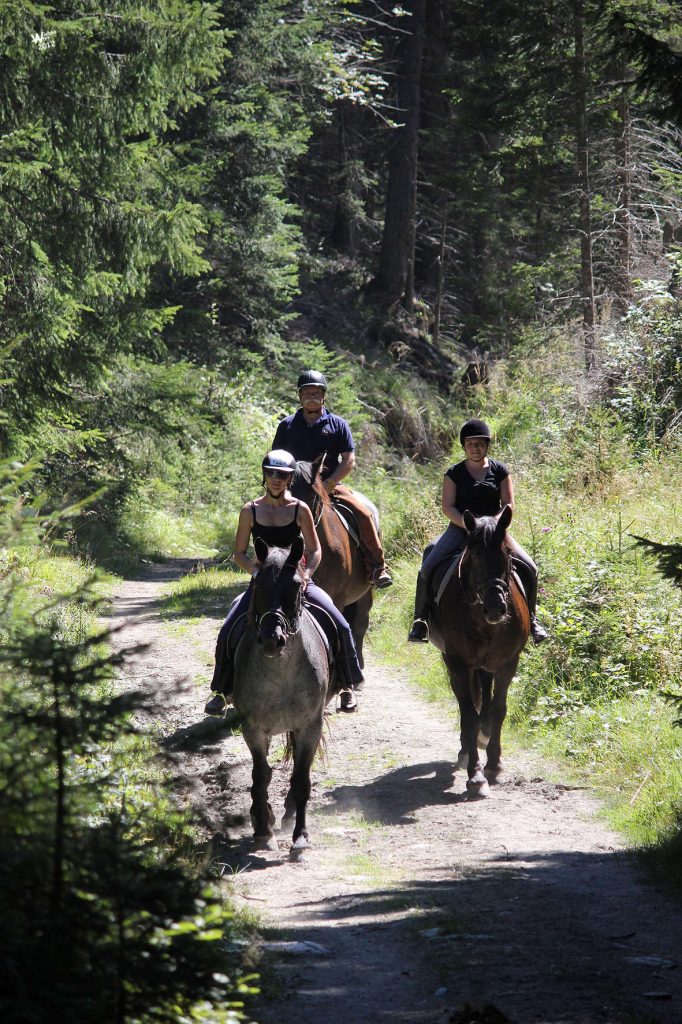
pixel 307 485
pixel 487 575
pixel 277 595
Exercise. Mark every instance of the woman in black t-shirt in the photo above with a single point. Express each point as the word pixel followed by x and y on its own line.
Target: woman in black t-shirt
pixel 482 486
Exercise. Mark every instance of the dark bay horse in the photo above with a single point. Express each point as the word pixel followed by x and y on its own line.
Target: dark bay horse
pixel 342 570
pixel 282 684
pixel 480 626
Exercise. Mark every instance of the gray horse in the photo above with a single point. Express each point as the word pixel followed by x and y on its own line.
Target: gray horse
pixel 282 684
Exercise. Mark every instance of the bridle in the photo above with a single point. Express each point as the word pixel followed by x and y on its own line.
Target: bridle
pixel 289 627
pixel 500 583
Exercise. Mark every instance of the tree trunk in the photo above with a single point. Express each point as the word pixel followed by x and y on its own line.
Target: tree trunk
pixel 435 337
pixel 583 153
pixel 342 234
pixel 397 246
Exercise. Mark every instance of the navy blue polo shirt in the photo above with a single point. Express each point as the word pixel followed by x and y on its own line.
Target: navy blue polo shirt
pixel 330 434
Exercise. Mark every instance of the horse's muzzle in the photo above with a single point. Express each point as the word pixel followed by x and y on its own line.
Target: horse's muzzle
pixel 495 606
pixel 273 645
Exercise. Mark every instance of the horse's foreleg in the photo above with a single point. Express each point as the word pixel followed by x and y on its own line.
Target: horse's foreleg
pixel 485 680
pixel 462 683
pixel 498 713
pixel 305 746
pixel 262 817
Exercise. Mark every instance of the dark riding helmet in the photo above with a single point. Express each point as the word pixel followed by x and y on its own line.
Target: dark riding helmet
pixel 311 377
pixel 474 428
pixel 279 459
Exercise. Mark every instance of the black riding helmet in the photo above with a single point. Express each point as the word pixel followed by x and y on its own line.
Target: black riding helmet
pixel 475 428
pixel 312 377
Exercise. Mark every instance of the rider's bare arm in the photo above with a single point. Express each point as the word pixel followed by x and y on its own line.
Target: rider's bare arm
pixel 241 542
pixel 313 551
pixel 342 470
pixel 506 494
pixel 448 499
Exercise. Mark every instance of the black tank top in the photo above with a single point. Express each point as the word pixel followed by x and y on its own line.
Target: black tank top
pixel 276 536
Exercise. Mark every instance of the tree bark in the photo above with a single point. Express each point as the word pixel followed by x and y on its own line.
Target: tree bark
pixel 583 154
pixel 397 246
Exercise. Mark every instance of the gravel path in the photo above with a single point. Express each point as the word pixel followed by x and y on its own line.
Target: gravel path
pixel 423 906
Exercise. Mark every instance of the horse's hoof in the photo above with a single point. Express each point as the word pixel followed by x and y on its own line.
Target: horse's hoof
pixel 495 776
pixel 265 843
pixel 298 849
pixel 478 787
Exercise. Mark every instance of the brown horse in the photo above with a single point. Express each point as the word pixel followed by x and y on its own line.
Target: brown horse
pixel 480 626
pixel 342 570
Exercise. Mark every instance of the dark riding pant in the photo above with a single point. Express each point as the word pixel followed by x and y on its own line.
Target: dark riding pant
pixel 350 673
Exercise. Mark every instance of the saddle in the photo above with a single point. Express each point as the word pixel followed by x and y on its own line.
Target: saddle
pixel 445 570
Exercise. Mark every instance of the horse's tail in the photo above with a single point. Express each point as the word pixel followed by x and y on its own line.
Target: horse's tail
pixel 290 748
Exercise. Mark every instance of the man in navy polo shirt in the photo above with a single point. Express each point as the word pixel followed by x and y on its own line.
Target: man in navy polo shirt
pixel 313 430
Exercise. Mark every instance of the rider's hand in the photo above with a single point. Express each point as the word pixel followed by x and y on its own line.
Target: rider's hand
pixel 329 486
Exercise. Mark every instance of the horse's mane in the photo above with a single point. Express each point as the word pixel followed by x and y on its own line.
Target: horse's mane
pixel 304 472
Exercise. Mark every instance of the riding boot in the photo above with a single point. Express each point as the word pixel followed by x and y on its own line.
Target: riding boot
pixel 530 582
pixel 348 667
pixel 419 633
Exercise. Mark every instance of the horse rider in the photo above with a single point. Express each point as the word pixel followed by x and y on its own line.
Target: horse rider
pixel 483 486
pixel 312 430
pixel 278 518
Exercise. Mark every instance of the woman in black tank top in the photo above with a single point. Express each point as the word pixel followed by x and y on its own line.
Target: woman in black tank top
pixel 278 519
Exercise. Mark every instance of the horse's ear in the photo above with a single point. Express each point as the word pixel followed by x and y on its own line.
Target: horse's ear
pixel 503 522
pixel 505 517
pixel 316 466
pixel 296 553
pixel 469 521
pixel 261 548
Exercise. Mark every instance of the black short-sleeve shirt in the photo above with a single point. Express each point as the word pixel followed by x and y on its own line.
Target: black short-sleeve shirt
pixel 480 497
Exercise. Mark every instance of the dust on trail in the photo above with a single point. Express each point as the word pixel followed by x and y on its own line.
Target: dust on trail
pixel 420 900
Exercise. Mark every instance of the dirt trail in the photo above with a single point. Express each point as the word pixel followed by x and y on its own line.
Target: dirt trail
pixel 420 900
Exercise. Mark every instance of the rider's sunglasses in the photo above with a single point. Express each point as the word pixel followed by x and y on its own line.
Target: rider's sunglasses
pixel 278 474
